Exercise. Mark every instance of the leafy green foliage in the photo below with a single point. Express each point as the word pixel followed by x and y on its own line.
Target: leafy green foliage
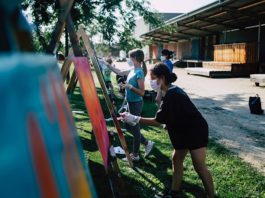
pixel 127 41
pixel 102 49
pixel 110 18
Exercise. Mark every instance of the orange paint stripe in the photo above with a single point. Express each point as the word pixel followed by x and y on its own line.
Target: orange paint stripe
pixel 41 161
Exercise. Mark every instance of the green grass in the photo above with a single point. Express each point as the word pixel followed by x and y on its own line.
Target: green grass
pixel 232 177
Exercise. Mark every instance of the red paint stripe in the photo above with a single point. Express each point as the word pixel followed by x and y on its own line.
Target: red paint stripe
pixel 41 161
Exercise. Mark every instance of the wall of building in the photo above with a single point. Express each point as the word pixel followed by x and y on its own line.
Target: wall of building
pixel 209 42
pixel 146 51
pixel 241 36
pixel 195 49
pixel 183 50
pixel 140 28
pixel 154 51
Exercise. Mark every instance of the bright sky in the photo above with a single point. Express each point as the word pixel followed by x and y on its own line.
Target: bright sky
pixel 181 6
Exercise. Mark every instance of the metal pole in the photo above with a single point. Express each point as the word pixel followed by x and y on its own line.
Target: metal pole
pixel 259 41
pixel 224 37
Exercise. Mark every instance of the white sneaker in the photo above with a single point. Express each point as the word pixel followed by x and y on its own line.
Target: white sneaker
pixel 148 148
pixel 133 157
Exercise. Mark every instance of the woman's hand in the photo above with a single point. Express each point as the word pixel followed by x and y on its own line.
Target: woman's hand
pixel 127 86
pixel 133 120
pixel 130 119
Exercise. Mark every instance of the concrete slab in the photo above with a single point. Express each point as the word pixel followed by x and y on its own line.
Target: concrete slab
pixel 212 73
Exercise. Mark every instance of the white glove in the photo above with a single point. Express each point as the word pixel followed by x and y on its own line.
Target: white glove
pixel 127 86
pixel 130 119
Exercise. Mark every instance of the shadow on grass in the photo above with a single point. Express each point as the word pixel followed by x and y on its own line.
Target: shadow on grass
pixel 153 170
pixel 157 166
pixel 110 185
pixel 81 119
pixel 89 145
pixel 100 179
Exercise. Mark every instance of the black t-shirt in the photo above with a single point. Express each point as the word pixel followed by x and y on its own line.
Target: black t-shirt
pixel 186 126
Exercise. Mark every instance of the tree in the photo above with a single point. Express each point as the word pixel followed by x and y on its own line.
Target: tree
pixel 110 18
pixel 102 49
pixel 127 42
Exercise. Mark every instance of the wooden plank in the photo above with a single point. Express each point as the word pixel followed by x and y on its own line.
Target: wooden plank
pixel 66 6
pixel 76 50
pixel 72 83
pixel 65 68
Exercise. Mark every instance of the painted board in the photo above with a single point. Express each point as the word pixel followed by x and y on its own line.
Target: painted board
pixel 89 92
pixel 40 151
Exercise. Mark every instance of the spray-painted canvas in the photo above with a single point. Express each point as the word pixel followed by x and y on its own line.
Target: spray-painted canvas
pixel 93 106
pixel 40 151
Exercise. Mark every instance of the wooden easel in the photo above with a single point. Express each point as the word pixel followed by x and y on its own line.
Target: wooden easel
pixel 82 34
pixel 74 38
pixel 113 168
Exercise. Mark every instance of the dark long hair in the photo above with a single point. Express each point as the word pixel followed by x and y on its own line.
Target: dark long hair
pixel 167 53
pixel 160 69
pixel 138 54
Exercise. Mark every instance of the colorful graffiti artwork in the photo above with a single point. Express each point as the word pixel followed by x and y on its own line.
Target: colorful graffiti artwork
pixel 41 155
pixel 93 106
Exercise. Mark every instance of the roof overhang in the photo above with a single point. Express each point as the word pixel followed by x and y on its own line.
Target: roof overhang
pixel 212 19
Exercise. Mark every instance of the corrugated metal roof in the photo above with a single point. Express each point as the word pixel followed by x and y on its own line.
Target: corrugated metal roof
pixel 212 19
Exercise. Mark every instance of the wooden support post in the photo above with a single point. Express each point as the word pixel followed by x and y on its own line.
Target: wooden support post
pixel 58 30
pixel 77 52
pixel 65 68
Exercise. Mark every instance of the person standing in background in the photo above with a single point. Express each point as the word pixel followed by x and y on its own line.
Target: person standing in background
pixel 60 59
pixel 106 72
pixel 165 58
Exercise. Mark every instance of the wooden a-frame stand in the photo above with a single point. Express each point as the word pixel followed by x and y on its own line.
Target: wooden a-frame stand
pixel 65 19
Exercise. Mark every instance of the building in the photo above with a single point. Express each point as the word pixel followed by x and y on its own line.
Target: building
pixel 194 35
pixel 143 28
